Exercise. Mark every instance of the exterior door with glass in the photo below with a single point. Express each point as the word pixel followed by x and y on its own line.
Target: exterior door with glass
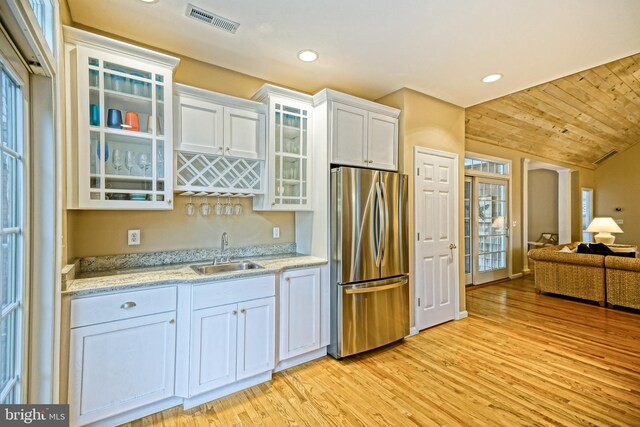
pixel 491 234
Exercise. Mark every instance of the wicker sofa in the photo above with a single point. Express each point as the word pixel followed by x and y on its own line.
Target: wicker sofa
pixel 623 281
pixel 571 274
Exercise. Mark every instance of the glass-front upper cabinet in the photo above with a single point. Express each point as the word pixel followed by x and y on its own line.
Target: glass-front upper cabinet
pixel 290 151
pixel 124 137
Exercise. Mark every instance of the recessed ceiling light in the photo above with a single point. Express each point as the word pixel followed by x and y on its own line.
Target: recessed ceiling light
pixel 492 78
pixel 307 55
pixel 149 1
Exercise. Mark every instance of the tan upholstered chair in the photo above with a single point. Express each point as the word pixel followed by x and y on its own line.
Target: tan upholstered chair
pixel 623 281
pixel 571 274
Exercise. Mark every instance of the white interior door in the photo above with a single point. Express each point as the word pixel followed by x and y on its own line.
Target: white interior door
pixel 436 217
pixel 491 233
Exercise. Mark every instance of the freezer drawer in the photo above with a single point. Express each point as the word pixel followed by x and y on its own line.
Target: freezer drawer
pixel 372 314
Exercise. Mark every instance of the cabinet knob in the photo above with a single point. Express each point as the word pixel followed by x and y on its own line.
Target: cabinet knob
pixel 172 321
pixel 228 149
pixel 169 202
pixel 235 312
pixel 219 148
pixel 273 203
pixel 243 311
pixel 127 305
pixel 288 279
pixel 370 161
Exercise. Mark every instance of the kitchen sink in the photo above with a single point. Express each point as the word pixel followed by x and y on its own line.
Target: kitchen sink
pixel 222 268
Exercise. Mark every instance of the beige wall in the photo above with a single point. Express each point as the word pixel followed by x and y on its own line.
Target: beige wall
pixel 429 122
pixel 87 233
pixel 617 183
pixel 543 202
pixel 579 178
pixel 105 232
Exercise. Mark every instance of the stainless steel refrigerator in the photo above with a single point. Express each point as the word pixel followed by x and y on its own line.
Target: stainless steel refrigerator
pixel 369 260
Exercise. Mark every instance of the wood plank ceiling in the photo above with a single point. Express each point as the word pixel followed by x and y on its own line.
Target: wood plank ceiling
pixel 576 119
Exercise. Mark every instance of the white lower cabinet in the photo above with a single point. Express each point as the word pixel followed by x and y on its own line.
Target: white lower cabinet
pixel 300 312
pixel 121 365
pixel 234 338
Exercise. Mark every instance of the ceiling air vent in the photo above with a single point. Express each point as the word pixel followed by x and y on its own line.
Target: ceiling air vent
pixel 212 19
pixel 605 157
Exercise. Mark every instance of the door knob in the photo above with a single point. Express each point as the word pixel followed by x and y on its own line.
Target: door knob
pixel 452 246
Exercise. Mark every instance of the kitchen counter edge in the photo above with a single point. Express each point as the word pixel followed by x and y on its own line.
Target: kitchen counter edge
pixel 183 274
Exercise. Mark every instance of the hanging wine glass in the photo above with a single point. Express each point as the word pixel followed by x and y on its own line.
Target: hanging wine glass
pixel 228 208
pixel 237 208
pixel 219 207
pixel 190 207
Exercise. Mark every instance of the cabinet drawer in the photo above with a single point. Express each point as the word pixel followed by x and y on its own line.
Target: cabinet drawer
pixel 232 291
pixel 123 305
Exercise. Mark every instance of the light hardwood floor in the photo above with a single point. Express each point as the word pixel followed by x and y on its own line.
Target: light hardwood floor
pixel 519 359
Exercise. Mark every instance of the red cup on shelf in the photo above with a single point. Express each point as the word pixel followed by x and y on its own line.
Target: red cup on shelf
pixel 131 121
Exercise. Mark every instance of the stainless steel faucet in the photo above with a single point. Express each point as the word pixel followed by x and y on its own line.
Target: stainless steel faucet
pixel 224 242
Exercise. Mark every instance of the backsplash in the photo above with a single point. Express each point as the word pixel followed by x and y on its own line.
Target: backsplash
pixel 152 259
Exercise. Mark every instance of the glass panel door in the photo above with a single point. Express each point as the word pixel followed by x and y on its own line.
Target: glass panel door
pixel 492 230
pixel 291 156
pixel 468 226
pixel 587 213
pixel 12 226
pixel 125 128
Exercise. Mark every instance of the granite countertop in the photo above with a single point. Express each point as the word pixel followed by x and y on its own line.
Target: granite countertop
pixel 181 273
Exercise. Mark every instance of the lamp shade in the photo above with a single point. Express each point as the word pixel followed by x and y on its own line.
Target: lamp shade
pixel 603 224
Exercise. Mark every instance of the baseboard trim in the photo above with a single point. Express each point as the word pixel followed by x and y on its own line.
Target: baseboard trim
pixel 526 271
pixel 300 359
pixel 462 314
pixel 413 331
pixel 516 276
pixel 226 390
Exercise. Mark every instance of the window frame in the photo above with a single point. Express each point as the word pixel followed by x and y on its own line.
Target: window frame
pixel 12 64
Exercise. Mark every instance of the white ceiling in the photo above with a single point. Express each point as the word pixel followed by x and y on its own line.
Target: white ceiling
pixel 370 48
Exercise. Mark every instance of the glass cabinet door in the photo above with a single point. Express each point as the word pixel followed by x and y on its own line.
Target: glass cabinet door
pixel 291 156
pixel 122 123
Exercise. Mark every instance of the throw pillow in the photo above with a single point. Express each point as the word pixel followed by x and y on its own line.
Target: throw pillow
pixel 600 249
pixel 565 249
pixel 584 249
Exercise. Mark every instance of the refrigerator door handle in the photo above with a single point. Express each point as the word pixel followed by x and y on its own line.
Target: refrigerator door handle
pixel 385 222
pixel 379 230
pixel 376 288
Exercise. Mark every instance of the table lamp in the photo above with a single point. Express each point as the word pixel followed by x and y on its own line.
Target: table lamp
pixel 604 226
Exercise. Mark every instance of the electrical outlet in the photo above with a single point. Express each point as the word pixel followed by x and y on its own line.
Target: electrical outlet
pixel 276 232
pixel 133 237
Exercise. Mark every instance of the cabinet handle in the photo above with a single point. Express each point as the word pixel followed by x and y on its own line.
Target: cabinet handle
pixel 370 161
pixel 172 321
pixel 235 312
pixel 243 311
pixel 288 279
pixel 228 149
pixel 169 202
pixel 127 305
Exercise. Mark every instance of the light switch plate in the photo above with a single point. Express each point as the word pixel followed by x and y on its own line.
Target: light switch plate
pixel 133 237
pixel 619 221
pixel 276 232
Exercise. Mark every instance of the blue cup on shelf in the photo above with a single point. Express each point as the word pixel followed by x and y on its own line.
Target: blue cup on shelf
pixel 94 115
pixel 114 118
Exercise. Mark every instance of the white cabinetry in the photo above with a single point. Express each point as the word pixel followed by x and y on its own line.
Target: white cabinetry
pixel 220 142
pixel 362 133
pixel 213 123
pixel 119 124
pixel 125 361
pixel 232 332
pixel 290 148
pixel 299 312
